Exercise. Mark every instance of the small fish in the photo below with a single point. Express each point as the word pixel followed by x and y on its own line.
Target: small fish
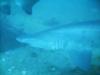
pixel 72 39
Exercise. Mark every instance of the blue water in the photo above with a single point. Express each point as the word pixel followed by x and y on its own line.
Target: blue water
pixel 49 37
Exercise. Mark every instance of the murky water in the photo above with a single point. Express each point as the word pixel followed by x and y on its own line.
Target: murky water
pixel 49 37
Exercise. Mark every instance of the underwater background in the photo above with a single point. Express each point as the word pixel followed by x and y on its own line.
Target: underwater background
pixel 49 37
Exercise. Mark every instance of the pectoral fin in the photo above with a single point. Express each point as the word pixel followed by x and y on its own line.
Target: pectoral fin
pixel 80 59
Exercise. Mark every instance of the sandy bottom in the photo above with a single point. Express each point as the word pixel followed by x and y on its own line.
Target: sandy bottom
pixel 34 61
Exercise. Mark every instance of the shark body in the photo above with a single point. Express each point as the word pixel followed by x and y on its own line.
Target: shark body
pixel 75 39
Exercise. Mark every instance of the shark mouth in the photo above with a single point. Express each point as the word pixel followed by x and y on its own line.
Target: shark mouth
pixel 77 41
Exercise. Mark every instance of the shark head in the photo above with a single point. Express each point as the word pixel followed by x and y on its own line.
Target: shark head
pixel 74 41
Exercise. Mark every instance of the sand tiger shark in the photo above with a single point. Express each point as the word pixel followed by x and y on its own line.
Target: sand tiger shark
pixel 75 39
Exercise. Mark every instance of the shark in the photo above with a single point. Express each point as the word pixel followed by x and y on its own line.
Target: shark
pixel 7 6
pixel 76 40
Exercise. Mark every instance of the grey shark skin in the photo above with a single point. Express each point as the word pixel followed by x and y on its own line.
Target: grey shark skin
pixel 74 40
